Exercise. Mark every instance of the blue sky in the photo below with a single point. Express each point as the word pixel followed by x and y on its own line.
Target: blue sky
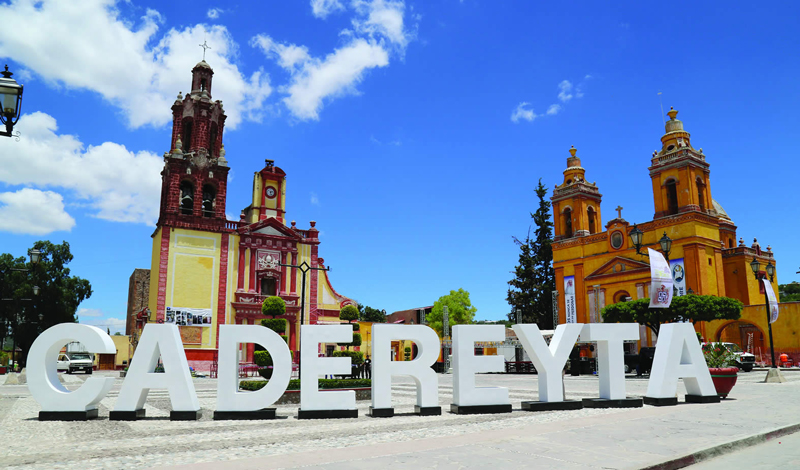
pixel 414 133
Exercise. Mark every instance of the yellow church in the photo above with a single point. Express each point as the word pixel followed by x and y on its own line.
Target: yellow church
pixel 596 266
pixel 208 271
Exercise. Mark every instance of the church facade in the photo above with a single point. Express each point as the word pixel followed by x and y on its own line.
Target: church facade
pixel 596 266
pixel 208 271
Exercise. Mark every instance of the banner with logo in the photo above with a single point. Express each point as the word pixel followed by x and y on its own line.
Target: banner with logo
pixel 569 299
pixel 773 302
pixel 678 277
pixel 660 280
pixel 182 316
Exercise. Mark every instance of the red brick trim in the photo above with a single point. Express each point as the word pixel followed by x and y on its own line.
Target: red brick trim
pixel 163 264
pixel 223 283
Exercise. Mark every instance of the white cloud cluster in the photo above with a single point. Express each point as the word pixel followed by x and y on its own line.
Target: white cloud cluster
pixel 566 92
pixel 89 312
pixel 323 8
pixel 378 30
pixel 111 324
pixel 117 184
pixel 213 13
pixel 128 65
pixel 522 112
pixel 33 212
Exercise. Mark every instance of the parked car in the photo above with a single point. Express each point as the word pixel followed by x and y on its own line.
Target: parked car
pixel 75 361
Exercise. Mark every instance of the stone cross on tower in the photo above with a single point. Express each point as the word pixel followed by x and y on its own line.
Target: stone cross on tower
pixel 619 211
pixel 204 46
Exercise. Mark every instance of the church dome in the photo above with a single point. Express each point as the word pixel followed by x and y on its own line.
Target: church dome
pixel 720 211
pixel 202 64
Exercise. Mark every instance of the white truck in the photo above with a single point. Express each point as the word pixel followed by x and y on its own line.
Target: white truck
pixel 74 361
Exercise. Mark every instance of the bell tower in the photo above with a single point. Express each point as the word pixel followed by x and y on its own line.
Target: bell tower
pixel 576 202
pixel 195 175
pixel 679 173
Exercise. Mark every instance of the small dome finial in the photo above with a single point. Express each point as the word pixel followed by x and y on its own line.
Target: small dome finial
pixel 572 150
pixel 672 113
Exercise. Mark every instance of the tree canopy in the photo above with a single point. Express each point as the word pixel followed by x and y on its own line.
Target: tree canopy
pixel 789 292
pixel 693 308
pixel 273 306
pixel 460 310
pixel 534 276
pixel 367 313
pixel 60 294
pixel 348 313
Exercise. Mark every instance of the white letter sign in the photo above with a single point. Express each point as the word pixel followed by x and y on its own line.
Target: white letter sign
pixel 610 354
pixel 313 367
pixel 549 361
pixel 466 365
pixel 678 355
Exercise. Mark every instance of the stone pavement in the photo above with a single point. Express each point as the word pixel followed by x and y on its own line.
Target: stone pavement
pixel 632 438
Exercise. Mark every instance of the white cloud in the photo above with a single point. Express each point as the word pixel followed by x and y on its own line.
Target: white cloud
pixel 323 8
pixel 314 199
pixel 378 30
pixel 213 13
pixel 33 212
pixel 523 113
pixel 565 93
pixel 336 75
pixel 129 65
pixel 382 18
pixel 118 184
pixel 89 312
pixel 553 109
pixel 112 324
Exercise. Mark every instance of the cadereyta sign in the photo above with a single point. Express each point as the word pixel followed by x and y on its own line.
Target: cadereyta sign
pixel 678 355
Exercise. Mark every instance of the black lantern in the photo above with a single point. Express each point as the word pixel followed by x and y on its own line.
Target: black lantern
pixel 10 101
pixel 636 237
pixel 35 290
pixel 770 270
pixel 666 245
pixel 35 256
pixel 755 266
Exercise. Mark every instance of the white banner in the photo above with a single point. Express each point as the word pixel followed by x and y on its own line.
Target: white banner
pixel 182 316
pixel 678 277
pixel 773 302
pixel 660 280
pixel 569 299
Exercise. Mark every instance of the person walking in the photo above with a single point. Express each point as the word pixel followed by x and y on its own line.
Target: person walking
pixel 368 367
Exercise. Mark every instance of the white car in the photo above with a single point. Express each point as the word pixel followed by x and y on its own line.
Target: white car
pixel 75 361
pixel 744 360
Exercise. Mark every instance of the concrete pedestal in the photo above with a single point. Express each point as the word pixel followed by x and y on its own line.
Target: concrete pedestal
pixel 479 409
pixel 552 405
pixel 264 413
pixel 381 412
pixel 428 410
pixel 671 401
pixel 126 415
pixel 327 414
pixel 185 415
pixel 702 398
pixel 606 403
pixel 774 376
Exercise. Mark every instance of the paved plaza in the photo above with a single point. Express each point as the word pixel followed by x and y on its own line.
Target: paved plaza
pixel 589 438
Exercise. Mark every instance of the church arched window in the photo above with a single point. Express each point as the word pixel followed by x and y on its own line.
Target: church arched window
pixel 209 200
pixel 701 194
pixel 212 140
pixel 187 198
pixel 591 217
pixel 672 197
pixel 567 222
pixel 186 136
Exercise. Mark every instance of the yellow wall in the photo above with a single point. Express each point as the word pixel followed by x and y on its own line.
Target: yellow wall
pixel 785 331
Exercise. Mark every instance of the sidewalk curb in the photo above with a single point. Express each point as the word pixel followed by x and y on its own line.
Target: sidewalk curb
pixel 724 448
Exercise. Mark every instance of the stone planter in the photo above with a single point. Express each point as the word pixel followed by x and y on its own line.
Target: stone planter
pixel 724 379
pixel 3 370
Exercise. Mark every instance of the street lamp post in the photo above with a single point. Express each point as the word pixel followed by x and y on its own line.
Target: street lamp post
pixel 10 103
pixel 304 268
pixel 35 256
pixel 756 267
pixel 637 237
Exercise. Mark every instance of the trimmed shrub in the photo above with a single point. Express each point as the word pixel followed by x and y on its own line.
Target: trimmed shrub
pixel 262 358
pixel 356 341
pixel 278 325
pixel 324 384
pixel 348 313
pixel 356 327
pixel 357 357
pixel 273 306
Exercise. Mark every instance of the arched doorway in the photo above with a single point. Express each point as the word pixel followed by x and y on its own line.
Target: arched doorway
pixel 747 335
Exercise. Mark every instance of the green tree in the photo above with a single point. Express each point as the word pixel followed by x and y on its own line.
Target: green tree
pixel 273 306
pixel 348 313
pixel 534 276
pixel 789 292
pixel 367 313
pixel 60 294
pixel 693 308
pixel 460 310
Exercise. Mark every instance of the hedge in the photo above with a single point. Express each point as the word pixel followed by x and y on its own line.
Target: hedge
pixel 294 384
pixel 356 341
pixel 357 357
pixel 278 325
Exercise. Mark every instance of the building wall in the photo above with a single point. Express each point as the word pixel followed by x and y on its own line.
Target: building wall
pixel 138 296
